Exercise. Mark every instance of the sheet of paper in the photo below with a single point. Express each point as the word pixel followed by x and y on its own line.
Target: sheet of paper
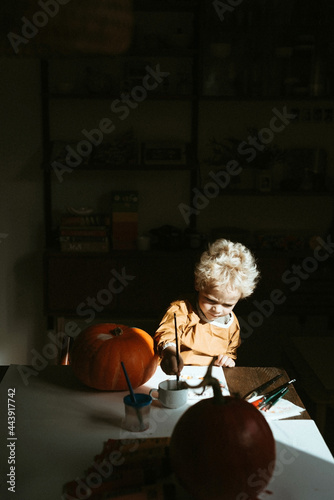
pixel 281 410
pixel 193 375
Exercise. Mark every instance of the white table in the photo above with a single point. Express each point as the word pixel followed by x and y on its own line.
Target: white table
pixel 61 426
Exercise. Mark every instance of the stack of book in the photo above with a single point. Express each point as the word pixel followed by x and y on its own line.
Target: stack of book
pixel 84 233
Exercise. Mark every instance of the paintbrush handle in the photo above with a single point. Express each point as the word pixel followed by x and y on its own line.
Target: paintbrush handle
pixel 176 341
pixel 259 390
pixel 177 349
pixel 274 400
pixel 133 397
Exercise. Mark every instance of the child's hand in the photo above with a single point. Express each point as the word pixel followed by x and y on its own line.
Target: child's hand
pixel 223 360
pixel 168 362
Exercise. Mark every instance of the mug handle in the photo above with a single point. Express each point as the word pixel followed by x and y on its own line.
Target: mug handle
pixel 154 390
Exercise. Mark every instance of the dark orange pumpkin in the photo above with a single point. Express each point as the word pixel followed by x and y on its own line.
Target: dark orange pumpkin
pixel 99 349
pixel 223 448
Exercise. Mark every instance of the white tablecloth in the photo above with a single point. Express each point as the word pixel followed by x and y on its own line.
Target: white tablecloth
pixel 61 425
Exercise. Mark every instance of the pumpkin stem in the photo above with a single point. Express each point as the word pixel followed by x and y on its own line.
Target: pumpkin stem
pixel 117 331
pixel 209 380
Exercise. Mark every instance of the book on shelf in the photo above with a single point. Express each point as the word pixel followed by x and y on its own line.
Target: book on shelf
pixel 84 239
pixel 85 220
pixel 85 246
pixel 84 233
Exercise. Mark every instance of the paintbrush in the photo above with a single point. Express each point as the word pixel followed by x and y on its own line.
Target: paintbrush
pixel 177 351
pixel 133 398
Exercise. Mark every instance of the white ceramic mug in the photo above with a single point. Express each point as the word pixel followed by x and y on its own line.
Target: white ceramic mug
pixel 169 395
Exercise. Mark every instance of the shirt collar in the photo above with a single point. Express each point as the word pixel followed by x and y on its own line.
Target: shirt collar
pixel 223 321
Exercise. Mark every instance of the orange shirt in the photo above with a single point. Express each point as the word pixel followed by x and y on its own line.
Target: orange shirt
pixel 199 340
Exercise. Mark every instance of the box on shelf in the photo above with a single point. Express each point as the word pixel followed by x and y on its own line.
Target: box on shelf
pixel 124 227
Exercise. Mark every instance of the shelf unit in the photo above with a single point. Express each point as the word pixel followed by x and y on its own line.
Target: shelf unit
pixel 268 49
pixel 95 87
pixel 200 43
pixel 71 84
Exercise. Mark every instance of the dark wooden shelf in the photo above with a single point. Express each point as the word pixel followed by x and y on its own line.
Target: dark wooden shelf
pixel 284 98
pixel 166 6
pixel 106 96
pixel 127 167
pixel 164 52
pixel 276 193
pixel 190 97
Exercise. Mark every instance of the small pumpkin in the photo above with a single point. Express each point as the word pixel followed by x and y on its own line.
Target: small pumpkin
pixel 222 448
pixel 99 349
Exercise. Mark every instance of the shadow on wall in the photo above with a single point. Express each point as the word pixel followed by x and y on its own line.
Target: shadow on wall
pixel 28 298
pixel 264 345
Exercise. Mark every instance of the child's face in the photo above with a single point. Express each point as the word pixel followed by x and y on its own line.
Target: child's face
pixel 215 303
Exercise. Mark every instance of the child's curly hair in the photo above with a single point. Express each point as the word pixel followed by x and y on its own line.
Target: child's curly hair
pixel 227 265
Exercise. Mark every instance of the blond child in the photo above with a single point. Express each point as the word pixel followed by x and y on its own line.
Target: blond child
pixel 207 326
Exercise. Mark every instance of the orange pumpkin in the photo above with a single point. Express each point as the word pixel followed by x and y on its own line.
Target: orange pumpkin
pixel 99 349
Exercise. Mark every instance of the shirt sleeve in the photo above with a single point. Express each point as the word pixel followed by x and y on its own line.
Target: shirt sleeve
pixel 166 330
pixel 235 340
